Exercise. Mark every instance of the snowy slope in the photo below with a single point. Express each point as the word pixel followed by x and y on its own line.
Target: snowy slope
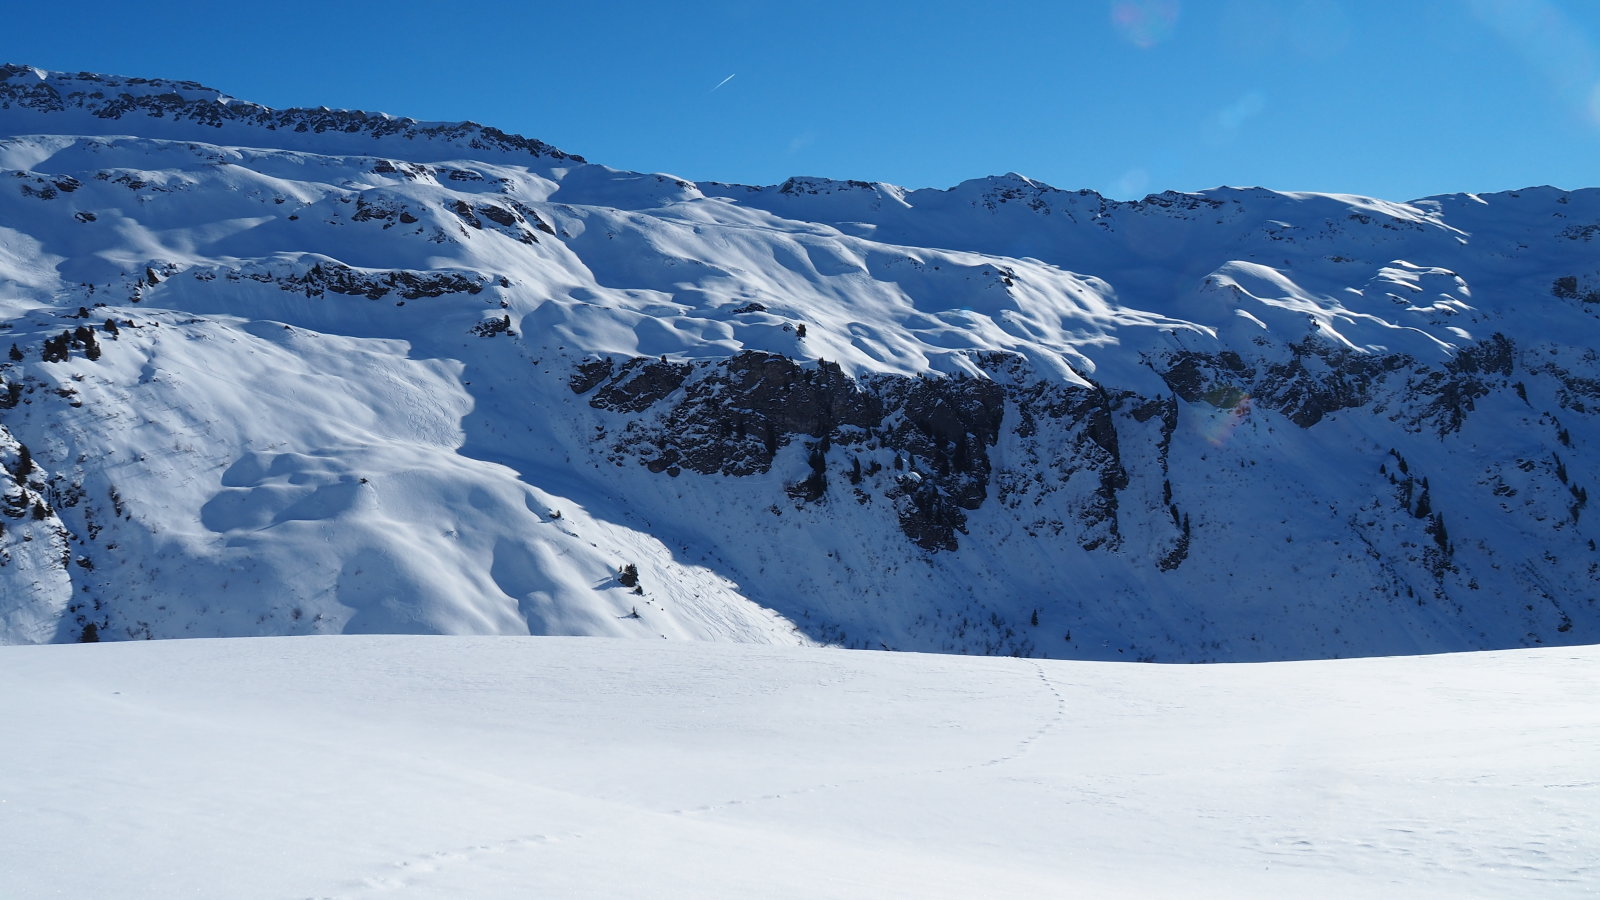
pixel 374 375
pixel 537 767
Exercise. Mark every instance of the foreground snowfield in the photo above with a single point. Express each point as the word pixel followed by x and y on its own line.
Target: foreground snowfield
pixel 569 767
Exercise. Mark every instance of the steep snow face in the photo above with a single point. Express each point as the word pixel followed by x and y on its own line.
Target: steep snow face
pixel 546 767
pixel 303 372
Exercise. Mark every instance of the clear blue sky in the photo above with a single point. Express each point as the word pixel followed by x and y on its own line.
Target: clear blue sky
pixel 1393 98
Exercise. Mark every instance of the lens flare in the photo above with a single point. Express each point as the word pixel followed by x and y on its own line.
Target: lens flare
pixel 1145 23
pixel 1224 125
pixel 1131 185
pixel 1550 42
pixel 1226 421
pixel 1594 104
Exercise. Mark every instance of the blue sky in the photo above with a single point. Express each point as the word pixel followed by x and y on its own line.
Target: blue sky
pixel 1397 99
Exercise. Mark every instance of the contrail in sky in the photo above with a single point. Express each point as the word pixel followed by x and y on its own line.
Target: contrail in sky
pixel 723 82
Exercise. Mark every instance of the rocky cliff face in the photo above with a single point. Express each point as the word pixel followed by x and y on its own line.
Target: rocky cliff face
pixel 731 417
pixel 310 371
pixel 1066 480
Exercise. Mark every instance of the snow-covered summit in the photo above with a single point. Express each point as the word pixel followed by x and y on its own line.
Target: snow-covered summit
pixel 185 110
pixel 316 371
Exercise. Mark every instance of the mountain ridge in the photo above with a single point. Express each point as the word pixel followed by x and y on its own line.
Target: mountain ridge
pixel 185 103
pixel 42 90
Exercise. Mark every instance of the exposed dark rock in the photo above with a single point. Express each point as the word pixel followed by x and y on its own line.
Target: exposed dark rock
pixel 1320 379
pixel 590 373
pixel 512 223
pixel 926 516
pixel 411 171
pixel 1084 416
pixel 342 279
pixel 1180 550
pixel 497 214
pixel 1448 394
pixel 492 327
pixel 640 384
pixel 1317 380
pixel 734 416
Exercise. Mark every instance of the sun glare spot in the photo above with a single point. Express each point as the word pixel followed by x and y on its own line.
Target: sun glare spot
pixel 1131 185
pixel 1224 125
pixel 1228 417
pixel 1551 44
pixel 1145 23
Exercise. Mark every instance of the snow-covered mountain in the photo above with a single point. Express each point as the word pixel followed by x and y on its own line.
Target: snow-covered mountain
pixel 311 371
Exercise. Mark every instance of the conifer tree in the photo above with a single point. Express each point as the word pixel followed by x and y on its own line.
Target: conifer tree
pixel 24 463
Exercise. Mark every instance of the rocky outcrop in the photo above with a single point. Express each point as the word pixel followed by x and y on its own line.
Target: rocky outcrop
pixel 338 278
pixel 1320 379
pixel 925 443
pixel 1067 433
pixel 733 418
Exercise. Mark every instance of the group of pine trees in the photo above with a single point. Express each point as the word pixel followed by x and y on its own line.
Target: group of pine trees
pixel 60 347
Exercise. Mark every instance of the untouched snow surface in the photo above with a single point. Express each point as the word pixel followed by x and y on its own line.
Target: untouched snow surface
pixel 406 766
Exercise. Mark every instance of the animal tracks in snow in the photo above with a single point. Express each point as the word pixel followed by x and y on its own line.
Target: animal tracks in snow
pixel 405 873
pixel 410 872
pixel 1027 743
